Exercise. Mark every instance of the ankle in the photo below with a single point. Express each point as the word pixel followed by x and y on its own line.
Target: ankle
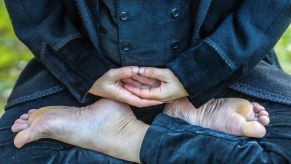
pixel 134 134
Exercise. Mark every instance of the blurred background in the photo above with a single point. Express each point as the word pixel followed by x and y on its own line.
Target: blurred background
pixel 14 55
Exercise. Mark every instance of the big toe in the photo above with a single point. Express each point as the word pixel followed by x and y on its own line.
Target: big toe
pixel 253 129
pixel 24 137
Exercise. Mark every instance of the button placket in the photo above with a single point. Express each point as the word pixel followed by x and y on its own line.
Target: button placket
pixel 125 20
pixel 175 12
pixel 125 46
pixel 175 44
pixel 124 15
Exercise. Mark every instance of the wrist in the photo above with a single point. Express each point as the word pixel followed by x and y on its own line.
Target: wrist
pixel 93 90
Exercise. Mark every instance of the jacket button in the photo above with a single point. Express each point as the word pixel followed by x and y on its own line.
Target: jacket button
pixel 175 45
pixel 125 46
pixel 123 15
pixel 175 13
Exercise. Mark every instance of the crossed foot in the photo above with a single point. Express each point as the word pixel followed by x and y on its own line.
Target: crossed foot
pixel 111 127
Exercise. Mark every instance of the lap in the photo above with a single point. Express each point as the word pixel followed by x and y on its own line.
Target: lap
pixel 49 151
pixel 278 134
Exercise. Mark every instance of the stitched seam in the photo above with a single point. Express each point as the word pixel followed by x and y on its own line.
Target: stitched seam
pixel 245 69
pixel 35 95
pixel 221 53
pixel 261 93
pixel 199 132
pixel 33 26
pixel 41 147
pixel 66 40
pixel 261 90
pixel 5 128
pixel 42 52
pixel 5 144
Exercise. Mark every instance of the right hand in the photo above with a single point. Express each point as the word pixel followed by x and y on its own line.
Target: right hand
pixel 110 86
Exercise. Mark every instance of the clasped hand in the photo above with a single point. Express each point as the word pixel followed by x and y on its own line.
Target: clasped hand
pixel 139 86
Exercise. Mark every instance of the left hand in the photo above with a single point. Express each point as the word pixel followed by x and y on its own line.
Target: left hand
pixel 110 86
pixel 164 86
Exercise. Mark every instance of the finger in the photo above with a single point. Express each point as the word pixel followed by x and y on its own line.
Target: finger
pixel 134 100
pixel 122 73
pixel 147 81
pixel 145 87
pixel 132 82
pixel 145 93
pixel 135 83
pixel 155 73
pixel 141 103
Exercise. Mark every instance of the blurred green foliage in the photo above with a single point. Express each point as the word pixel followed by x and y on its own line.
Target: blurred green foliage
pixel 283 50
pixel 14 55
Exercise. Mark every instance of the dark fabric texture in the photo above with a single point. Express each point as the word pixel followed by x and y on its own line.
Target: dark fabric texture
pixel 207 43
pixel 171 140
pixel 44 151
pixel 211 46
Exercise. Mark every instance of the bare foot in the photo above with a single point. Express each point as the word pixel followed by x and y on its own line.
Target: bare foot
pixel 231 115
pixel 105 126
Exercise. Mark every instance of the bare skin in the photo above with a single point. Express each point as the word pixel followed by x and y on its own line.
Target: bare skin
pixel 110 127
pixel 106 126
pixel 234 116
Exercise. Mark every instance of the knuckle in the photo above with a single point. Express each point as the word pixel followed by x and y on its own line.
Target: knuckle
pixel 167 72
pixel 110 73
pixel 133 69
pixel 149 71
pixel 125 71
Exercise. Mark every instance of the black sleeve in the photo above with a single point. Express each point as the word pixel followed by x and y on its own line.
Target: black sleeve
pixel 171 140
pixel 44 27
pixel 240 41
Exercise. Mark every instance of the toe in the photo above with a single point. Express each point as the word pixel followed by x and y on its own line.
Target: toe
pixel 258 107
pixel 20 121
pixel 265 120
pixel 253 129
pixel 18 127
pixel 25 116
pixel 263 113
pixel 31 111
pixel 24 137
pixel 14 127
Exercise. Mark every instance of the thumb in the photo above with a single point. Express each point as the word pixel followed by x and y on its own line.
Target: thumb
pixel 121 73
pixel 155 73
